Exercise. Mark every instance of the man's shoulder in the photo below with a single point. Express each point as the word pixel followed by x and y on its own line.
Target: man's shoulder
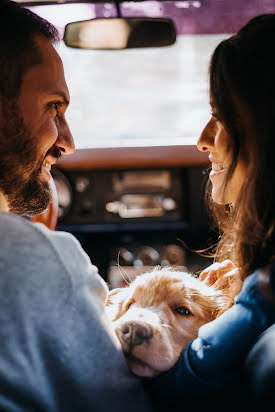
pixel 17 227
pixel 10 223
pixel 33 249
pixel 20 234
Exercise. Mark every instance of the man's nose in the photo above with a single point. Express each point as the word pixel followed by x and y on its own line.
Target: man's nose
pixel 65 140
pixel 207 137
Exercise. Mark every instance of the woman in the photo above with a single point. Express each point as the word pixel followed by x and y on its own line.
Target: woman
pixel 240 139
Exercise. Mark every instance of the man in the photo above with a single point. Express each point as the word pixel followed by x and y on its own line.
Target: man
pixel 58 352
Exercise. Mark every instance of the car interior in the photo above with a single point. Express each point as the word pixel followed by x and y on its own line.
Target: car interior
pixel 133 193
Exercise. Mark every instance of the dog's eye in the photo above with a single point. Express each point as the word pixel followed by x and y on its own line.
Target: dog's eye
pixel 182 310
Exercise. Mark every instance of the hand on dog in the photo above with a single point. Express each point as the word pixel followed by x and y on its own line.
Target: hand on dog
pixel 224 276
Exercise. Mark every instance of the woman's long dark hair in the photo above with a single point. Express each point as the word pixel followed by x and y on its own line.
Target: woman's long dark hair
pixel 242 89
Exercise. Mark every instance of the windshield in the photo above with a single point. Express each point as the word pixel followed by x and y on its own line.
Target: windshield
pixel 144 97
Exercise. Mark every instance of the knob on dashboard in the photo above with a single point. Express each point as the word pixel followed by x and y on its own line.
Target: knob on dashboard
pixel 173 255
pixel 148 256
pixel 125 257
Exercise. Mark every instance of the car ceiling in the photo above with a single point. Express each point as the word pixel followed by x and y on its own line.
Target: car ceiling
pixel 31 2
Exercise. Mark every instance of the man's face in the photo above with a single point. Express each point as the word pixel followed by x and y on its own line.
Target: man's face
pixel 34 133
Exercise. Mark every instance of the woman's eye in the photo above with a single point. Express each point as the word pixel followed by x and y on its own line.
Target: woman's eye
pixel 215 116
pixel 182 310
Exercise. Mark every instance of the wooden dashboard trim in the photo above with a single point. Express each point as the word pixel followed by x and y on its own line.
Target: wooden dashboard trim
pixel 134 157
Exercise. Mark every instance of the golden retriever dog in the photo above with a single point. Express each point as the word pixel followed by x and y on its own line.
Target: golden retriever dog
pixel 158 314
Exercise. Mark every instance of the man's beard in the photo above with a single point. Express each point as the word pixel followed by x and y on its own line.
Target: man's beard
pixel 20 164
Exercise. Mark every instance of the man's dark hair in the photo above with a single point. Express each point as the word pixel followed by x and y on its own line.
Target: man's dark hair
pixel 18 50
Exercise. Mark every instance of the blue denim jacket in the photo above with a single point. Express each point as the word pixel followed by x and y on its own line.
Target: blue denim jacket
pixel 212 362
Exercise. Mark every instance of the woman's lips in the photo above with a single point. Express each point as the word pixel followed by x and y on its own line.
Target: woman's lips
pixel 217 168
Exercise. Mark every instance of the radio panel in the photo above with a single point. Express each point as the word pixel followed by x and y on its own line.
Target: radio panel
pixel 129 221
pixel 121 196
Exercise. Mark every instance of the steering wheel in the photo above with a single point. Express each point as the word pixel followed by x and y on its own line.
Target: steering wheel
pixel 50 216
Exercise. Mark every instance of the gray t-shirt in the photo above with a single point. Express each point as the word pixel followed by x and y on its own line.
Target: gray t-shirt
pixel 57 349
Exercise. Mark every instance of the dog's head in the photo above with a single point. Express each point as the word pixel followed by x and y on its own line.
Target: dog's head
pixel 158 314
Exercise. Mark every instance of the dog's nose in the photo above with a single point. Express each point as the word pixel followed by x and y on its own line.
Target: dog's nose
pixel 134 333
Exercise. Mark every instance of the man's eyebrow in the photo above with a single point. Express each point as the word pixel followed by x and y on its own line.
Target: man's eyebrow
pixel 62 95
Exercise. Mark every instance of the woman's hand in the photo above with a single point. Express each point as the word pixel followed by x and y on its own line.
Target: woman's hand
pixel 224 276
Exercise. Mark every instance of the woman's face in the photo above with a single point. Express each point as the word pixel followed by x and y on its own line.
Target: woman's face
pixel 215 140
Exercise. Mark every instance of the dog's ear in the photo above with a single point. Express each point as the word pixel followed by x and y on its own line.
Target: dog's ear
pixel 216 305
pixel 115 296
pixel 115 302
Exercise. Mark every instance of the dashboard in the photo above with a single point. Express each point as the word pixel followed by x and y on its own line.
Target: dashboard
pixel 129 219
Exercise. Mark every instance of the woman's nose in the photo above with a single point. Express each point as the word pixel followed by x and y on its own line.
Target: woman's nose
pixel 206 139
pixel 65 140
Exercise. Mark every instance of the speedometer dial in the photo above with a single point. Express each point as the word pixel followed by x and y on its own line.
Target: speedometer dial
pixel 64 193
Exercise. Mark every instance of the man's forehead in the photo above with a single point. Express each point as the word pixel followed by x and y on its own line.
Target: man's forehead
pixel 48 77
pixel 45 45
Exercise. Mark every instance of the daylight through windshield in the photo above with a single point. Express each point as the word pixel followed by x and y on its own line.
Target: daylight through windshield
pixel 143 97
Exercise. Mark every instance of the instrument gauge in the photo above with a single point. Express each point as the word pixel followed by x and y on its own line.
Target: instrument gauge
pixel 64 193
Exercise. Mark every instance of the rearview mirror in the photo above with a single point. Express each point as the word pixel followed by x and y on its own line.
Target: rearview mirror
pixel 120 33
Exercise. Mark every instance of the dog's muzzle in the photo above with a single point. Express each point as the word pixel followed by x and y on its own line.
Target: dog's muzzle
pixel 135 333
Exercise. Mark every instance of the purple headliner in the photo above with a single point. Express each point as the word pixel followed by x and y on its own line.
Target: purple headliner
pixel 190 17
